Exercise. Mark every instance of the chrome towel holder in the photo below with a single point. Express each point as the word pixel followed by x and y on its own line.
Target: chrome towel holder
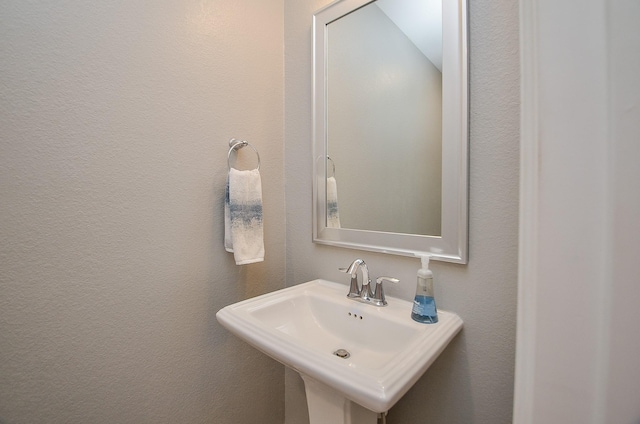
pixel 235 144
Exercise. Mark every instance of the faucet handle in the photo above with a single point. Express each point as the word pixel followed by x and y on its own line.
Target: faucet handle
pixel 379 280
pixel 378 292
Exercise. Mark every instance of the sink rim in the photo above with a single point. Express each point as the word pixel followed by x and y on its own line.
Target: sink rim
pixel 377 391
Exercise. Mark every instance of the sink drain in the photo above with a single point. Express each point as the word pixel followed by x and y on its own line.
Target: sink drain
pixel 342 353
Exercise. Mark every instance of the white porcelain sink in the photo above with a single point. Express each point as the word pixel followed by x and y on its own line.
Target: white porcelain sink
pixel 302 327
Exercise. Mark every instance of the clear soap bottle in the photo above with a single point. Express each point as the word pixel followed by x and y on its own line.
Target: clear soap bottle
pixel 424 304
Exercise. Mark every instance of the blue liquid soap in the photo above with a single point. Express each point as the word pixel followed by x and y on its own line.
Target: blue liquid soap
pixel 424 309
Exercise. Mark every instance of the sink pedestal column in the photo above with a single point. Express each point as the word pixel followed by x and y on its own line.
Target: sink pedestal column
pixel 328 406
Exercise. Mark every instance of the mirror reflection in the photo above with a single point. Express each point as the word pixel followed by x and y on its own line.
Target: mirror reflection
pixel 384 118
pixel 391 113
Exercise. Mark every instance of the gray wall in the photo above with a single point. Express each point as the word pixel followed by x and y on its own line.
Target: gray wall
pixel 115 118
pixel 472 382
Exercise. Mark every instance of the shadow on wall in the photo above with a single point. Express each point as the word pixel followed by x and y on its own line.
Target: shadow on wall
pixel 451 371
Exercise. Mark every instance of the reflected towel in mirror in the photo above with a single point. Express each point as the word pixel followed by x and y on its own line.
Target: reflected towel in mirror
pixel 333 217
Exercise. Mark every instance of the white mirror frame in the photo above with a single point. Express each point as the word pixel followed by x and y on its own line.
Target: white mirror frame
pixel 451 246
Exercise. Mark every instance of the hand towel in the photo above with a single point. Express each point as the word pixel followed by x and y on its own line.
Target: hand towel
pixel 228 244
pixel 243 216
pixel 333 217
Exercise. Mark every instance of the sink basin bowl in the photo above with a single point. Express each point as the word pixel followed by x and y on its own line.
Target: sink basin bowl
pixel 303 326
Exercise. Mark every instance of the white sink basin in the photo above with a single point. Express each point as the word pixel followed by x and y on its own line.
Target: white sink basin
pixel 302 327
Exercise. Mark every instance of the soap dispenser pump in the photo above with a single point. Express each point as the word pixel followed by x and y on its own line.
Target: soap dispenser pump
pixel 424 304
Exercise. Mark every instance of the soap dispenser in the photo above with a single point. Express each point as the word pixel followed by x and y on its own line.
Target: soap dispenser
pixel 424 304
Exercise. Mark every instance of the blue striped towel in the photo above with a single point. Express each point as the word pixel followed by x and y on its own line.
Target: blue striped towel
pixel 333 217
pixel 243 216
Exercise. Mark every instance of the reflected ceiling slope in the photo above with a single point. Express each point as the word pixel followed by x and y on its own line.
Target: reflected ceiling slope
pixel 421 21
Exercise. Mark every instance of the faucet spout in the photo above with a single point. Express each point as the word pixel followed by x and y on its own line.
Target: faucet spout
pixel 363 291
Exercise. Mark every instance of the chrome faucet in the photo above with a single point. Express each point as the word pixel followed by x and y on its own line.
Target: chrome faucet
pixel 355 290
pixel 364 292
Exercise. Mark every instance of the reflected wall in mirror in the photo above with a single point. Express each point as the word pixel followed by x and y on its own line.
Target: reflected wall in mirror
pixel 384 115
pixel 390 126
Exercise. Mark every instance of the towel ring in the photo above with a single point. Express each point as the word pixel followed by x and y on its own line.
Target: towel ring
pixel 239 144
pixel 333 165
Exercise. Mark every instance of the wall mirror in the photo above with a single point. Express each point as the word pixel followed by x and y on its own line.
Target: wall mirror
pixel 390 129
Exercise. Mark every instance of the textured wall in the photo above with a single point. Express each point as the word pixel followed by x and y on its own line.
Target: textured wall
pixel 472 382
pixel 115 118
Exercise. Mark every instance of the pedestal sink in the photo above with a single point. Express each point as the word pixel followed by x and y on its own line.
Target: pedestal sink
pixel 356 360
